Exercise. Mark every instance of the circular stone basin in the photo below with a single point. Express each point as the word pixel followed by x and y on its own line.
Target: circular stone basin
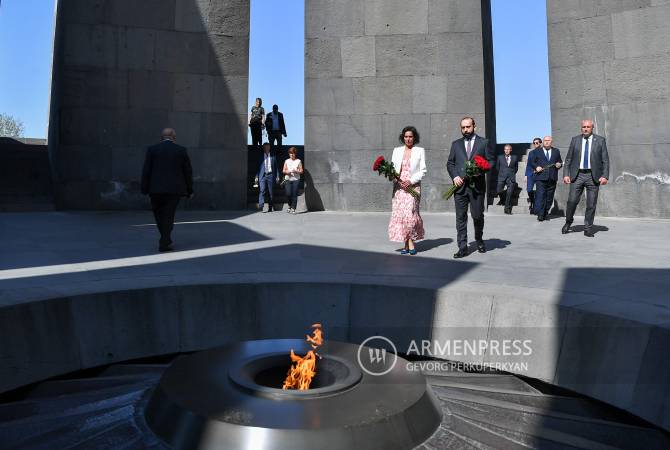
pixel 231 397
pixel 264 375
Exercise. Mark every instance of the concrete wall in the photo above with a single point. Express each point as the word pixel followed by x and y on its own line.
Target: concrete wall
pixel 374 66
pixel 610 61
pixel 123 70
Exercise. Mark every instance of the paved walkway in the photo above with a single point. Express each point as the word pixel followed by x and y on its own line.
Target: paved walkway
pixel 624 271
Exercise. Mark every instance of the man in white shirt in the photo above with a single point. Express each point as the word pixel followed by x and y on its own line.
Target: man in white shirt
pixel 587 166
pixel 267 176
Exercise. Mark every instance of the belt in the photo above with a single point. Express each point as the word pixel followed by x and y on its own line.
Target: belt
pixel 267 173
pixel 585 170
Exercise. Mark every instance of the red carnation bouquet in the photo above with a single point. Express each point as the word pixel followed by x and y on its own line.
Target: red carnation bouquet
pixel 478 166
pixel 386 168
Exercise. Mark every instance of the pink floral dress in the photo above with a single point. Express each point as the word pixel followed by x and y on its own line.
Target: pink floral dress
pixel 406 222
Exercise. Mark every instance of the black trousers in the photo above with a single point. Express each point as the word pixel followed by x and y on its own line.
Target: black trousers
pixel 164 207
pixel 256 134
pixel 274 137
pixel 511 186
pixel 583 181
pixel 291 188
pixel 544 196
pixel 475 200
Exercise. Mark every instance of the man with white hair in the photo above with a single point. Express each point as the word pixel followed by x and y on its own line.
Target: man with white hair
pixel 166 176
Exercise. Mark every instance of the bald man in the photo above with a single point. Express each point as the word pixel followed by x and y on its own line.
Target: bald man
pixel 166 176
pixel 587 166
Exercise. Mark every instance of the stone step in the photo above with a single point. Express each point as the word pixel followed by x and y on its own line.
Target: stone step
pixel 134 369
pixel 44 410
pixel 526 419
pixel 122 436
pixel 507 382
pixel 444 438
pixel 56 388
pixel 61 432
pixel 568 405
pixel 541 437
pixel 483 435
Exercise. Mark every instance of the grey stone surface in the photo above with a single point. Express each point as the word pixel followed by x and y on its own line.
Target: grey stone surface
pixel 609 62
pixel 90 289
pixel 123 71
pixel 396 17
pixel 358 56
pixel 375 66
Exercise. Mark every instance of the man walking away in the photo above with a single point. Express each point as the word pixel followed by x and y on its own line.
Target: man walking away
pixel 166 176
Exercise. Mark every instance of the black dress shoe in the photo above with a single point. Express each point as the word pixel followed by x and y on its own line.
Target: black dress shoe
pixel 461 253
pixel 166 248
pixel 481 247
pixel 540 218
pixel 566 228
pixel 588 233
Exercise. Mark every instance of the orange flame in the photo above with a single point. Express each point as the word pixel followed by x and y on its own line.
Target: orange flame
pixel 303 369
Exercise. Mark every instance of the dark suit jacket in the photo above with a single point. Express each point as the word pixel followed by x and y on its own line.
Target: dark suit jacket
pixel 537 158
pixel 458 156
pixel 269 126
pixel 261 166
pixel 167 170
pixel 598 158
pixel 505 171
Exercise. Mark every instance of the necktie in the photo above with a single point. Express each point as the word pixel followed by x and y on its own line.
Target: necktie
pixel 469 147
pixel 546 152
pixel 507 158
pixel 586 155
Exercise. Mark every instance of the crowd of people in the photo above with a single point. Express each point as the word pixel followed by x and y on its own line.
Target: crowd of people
pixel 586 167
pixel 167 176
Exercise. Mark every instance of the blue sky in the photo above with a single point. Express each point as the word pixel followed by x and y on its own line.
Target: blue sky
pixel 520 59
pixel 26 34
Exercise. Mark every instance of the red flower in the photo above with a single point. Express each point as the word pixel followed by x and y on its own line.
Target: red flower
pixel 482 163
pixel 378 162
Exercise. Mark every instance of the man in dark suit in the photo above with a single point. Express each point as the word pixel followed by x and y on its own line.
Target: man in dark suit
pixel 274 124
pixel 545 177
pixel 587 167
pixel 166 176
pixel 267 175
pixel 463 150
pixel 507 165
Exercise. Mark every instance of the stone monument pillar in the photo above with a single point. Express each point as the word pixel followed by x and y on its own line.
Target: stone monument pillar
pixel 374 66
pixel 123 70
pixel 609 61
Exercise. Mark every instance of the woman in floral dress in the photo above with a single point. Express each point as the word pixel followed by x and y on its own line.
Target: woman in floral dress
pixel 406 224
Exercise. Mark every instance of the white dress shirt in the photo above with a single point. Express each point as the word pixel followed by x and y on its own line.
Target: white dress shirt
pixel 268 163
